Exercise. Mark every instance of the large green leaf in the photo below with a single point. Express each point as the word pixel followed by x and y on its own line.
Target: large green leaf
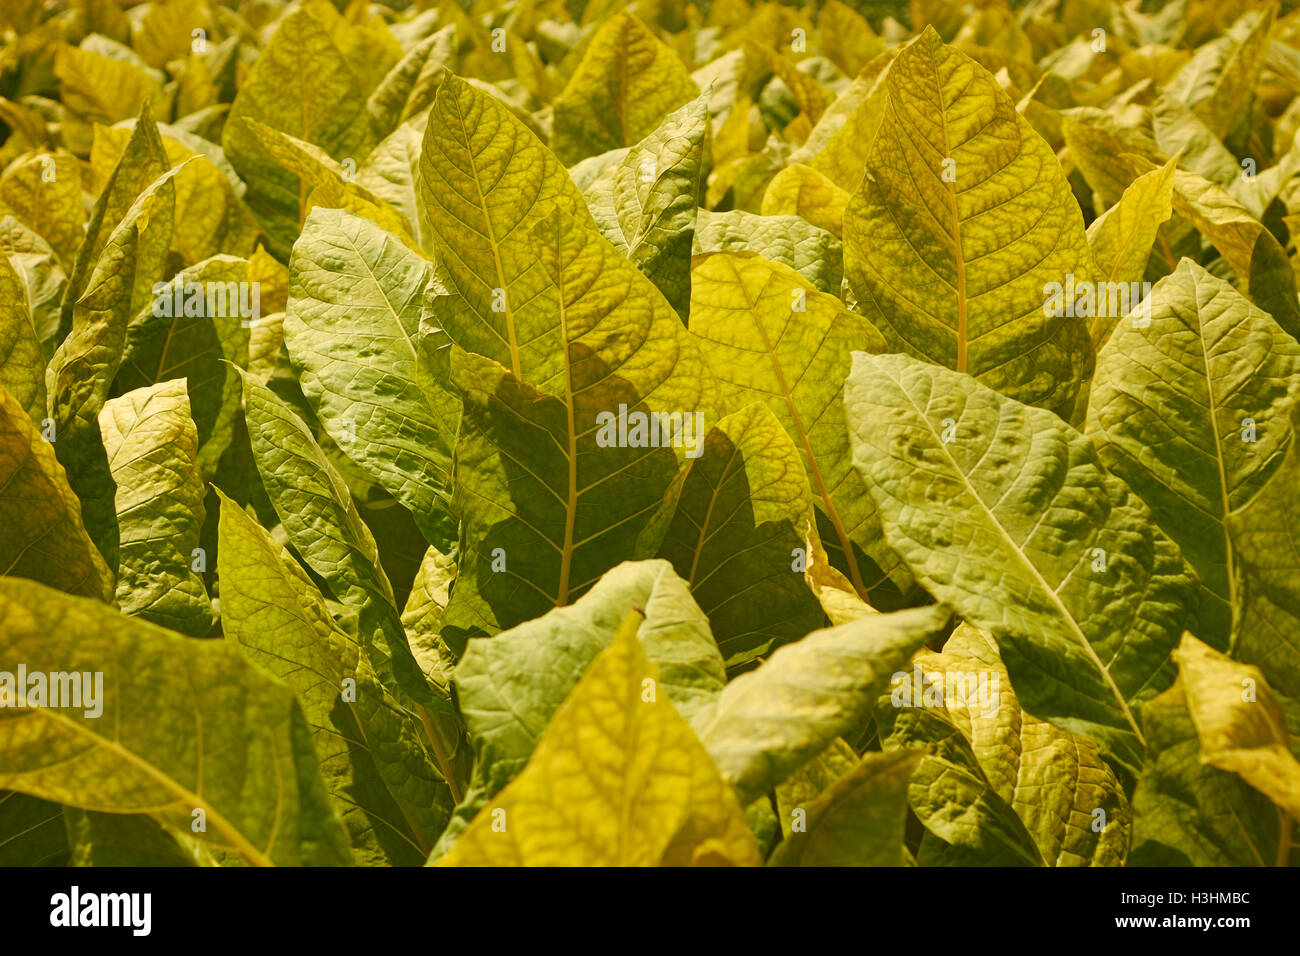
pixel 152 449
pixel 185 726
pixel 768 723
pixel 627 82
pixel 509 686
pixel 1005 512
pixel 323 525
pixel 1191 407
pixel 44 537
pixel 646 203
pixel 769 336
pixel 963 219
pixel 485 184
pixel 550 491
pixel 354 311
pixel 373 760
pixel 738 533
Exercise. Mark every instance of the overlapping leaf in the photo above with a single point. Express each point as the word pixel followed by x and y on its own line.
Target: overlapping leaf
pixel 188 731
pixel 619 778
pixel 153 450
pixel 1192 406
pixel 1006 512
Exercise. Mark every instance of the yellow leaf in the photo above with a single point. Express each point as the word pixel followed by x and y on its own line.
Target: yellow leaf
pixel 210 219
pixel 166 32
pixel 847 39
pixel 800 190
pixel 43 191
pixel 618 779
pixel 1121 237
pixel 839 144
pixel 962 223
pixel 1239 722
pixel 101 89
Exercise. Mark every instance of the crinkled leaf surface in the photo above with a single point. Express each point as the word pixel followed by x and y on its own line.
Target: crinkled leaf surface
pixel 322 523
pixel 1000 509
pixel 961 190
pixel 485 184
pixel 1067 799
pixel 350 330
pixel 152 448
pixel 769 336
pixel 792 241
pixel 550 490
pixel 1191 406
pixel 619 778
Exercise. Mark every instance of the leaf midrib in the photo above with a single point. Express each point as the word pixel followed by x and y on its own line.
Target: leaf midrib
pixel 512 340
pixel 959 255
pixel 237 838
pixel 1024 560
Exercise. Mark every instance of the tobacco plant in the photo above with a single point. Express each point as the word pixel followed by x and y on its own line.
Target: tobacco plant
pixel 524 432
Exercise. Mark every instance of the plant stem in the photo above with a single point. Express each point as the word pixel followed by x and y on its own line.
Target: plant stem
pixel 444 763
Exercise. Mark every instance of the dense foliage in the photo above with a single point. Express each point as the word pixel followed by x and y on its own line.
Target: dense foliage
pixel 562 432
